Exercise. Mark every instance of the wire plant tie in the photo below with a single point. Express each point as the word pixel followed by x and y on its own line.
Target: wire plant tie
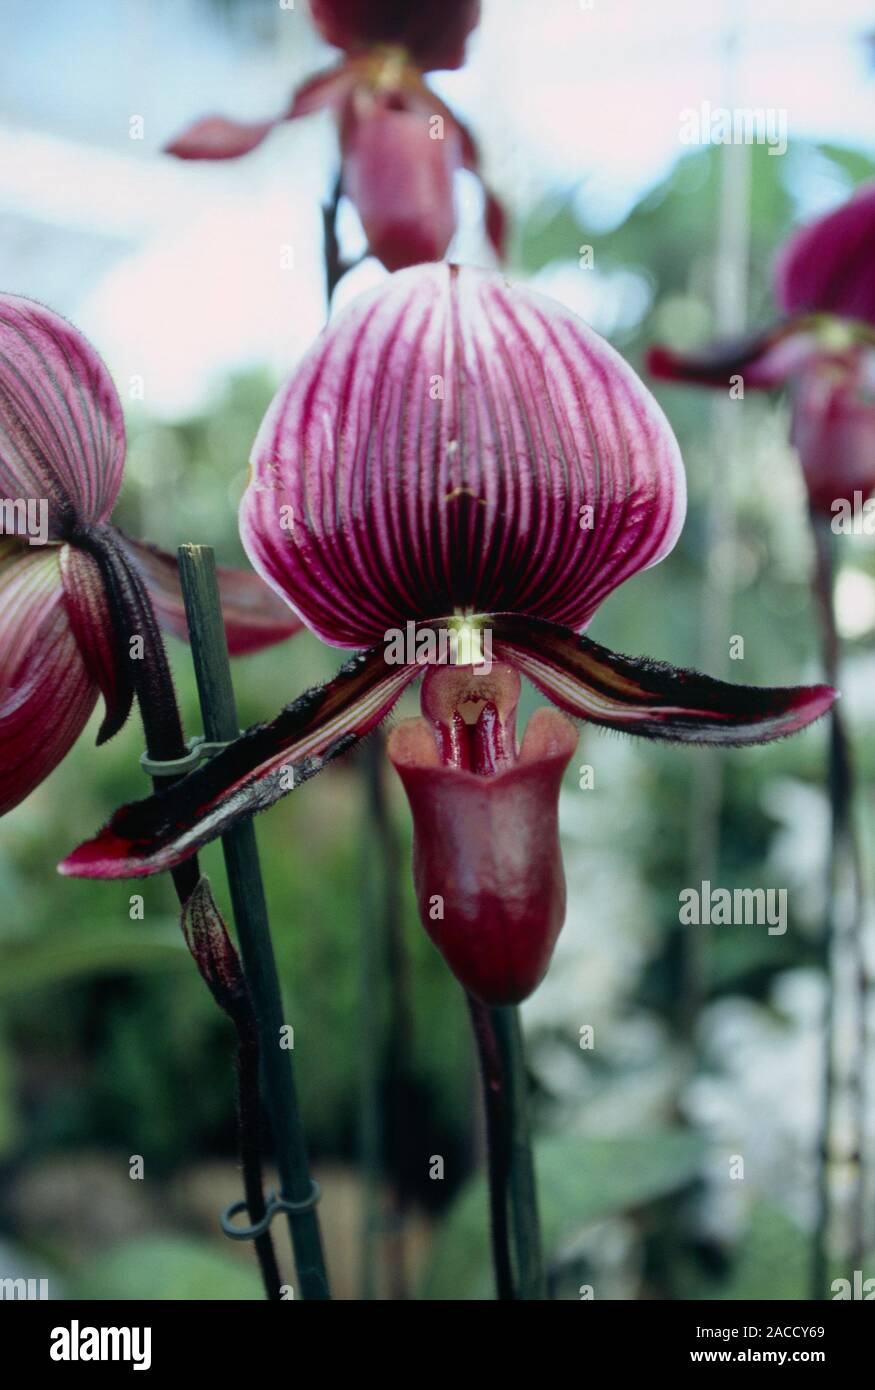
pixel 273 1205
pixel 199 749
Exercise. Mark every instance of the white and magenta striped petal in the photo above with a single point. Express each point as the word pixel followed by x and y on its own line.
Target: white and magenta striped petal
pixel 62 433
pixel 453 443
pixel 46 691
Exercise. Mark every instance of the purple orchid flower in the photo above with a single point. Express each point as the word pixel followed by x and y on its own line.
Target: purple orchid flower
pixel 66 574
pixel 824 347
pixel 400 144
pixel 464 462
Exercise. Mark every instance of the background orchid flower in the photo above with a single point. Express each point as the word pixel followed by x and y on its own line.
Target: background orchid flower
pixel 824 347
pixel 400 144
pixel 64 593
pixel 470 459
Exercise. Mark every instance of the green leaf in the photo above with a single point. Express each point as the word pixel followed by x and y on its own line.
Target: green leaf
pixel 9 1127
pixel 858 166
pixel 41 963
pixel 772 1261
pixel 167 1267
pixel 580 1180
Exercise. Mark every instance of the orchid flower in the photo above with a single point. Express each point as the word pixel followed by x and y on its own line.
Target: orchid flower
pixel 824 347
pixel 400 145
pixel 71 584
pixel 458 460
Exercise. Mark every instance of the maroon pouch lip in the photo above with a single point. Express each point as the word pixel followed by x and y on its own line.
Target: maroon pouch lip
pixel 487 863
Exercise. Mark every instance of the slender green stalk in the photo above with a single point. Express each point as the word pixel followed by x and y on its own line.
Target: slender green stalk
pixel 523 1187
pixel 497 1144
pixel 369 1055
pixel 335 267
pixel 844 878
pixel 249 1126
pixel 218 706
pixel 388 1082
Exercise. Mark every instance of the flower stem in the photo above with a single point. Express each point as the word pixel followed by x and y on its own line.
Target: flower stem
pixel 369 1137
pixel 843 875
pixel 384 981
pixel 497 1143
pixel 249 1127
pixel 511 1165
pixel 335 268
pixel 218 706
pixel 523 1187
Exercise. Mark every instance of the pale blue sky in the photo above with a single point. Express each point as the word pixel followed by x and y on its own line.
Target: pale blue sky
pixel 174 270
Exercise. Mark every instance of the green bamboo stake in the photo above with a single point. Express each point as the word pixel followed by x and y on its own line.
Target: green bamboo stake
pixel 531 1280
pixel 210 655
pixel 842 934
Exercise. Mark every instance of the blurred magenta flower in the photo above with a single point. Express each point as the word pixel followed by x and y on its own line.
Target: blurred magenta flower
pixel 824 348
pixel 400 144
pixel 458 460
pixel 65 571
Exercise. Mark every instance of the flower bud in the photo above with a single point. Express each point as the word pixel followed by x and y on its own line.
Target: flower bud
pixel 214 953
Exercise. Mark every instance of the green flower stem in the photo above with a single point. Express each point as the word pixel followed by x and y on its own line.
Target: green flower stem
pixel 249 1127
pixel 386 1034
pixel 218 706
pixel 497 1144
pixel 511 1165
pixel 370 1146
pixel 844 886
pixel 531 1280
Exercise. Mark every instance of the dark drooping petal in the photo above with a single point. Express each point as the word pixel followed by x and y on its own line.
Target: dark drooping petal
pixel 101 646
pixel 62 433
pixel 639 696
pixel 258 769
pixel 218 137
pixel 763 361
pixel 825 272
pixel 453 443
